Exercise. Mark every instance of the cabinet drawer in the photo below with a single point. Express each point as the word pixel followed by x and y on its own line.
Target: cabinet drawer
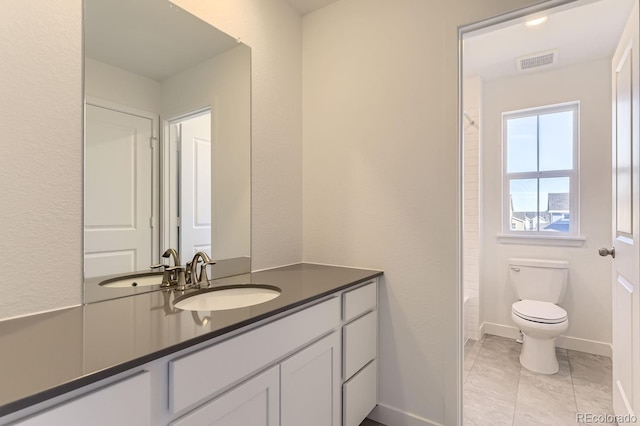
pixel 360 342
pixel 127 402
pixel 359 301
pixel 204 373
pixel 360 395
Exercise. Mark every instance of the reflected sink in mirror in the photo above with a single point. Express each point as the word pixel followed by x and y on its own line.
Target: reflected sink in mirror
pixel 227 297
pixel 134 280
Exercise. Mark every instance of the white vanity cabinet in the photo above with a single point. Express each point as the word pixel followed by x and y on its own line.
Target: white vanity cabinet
pixel 301 390
pixel 126 403
pixel 360 352
pixel 314 365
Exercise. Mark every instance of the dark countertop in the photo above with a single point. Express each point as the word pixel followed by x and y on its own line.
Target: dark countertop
pixel 70 348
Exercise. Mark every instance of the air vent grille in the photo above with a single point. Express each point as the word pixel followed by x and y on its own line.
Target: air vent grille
pixel 536 60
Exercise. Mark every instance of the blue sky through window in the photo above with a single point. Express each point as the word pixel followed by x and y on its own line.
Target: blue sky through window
pixel 537 144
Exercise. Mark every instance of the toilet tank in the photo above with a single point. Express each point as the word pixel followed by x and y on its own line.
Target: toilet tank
pixel 539 279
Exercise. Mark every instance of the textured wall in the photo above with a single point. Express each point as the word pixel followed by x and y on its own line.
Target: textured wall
pixel 380 173
pixel 41 155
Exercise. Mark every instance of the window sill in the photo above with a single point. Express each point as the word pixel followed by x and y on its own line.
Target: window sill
pixel 542 240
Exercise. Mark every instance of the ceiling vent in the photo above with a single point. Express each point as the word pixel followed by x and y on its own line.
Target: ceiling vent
pixel 537 60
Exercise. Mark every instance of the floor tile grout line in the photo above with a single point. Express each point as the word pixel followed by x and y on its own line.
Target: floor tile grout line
pixel 515 404
pixel 573 388
pixel 473 362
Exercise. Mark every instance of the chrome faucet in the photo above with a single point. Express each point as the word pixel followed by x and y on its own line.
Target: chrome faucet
pixel 187 276
pixel 202 281
pixel 173 275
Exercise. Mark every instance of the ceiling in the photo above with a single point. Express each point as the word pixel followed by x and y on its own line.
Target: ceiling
pixel 585 32
pixel 307 6
pixel 152 38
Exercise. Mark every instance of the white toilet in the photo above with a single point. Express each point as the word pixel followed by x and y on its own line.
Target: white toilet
pixel 539 284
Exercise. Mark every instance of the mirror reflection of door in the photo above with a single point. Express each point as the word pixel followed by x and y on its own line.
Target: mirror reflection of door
pixel 118 205
pixel 191 225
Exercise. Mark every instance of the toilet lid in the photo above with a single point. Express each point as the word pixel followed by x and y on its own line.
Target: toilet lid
pixel 543 312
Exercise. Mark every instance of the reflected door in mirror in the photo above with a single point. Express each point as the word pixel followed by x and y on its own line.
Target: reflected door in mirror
pixel 118 175
pixel 193 174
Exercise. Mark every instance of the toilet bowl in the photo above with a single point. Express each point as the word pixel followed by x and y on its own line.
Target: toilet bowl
pixel 539 284
pixel 540 323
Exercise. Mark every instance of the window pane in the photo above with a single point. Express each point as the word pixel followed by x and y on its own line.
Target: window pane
pixel 522 140
pixel 555 204
pixel 556 141
pixel 523 204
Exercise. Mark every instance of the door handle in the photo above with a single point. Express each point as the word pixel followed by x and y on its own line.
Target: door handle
pixel 607 252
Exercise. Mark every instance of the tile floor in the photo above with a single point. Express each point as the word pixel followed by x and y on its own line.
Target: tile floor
pixel 498 391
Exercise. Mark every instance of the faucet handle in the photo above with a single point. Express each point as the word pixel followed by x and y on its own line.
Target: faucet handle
pixel 204 279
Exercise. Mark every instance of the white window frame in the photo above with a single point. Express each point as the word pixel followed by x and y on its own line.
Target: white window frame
pixel 574 180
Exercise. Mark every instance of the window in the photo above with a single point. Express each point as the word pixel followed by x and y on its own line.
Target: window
pixel 540 170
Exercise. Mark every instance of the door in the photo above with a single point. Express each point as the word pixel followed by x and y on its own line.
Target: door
pixel 118 192
pixel 195 185
pixel 310 385
pixel 626 223
pixel 255 402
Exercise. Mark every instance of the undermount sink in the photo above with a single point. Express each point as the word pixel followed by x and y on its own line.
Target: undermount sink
pixel 227 297
pixel 134 280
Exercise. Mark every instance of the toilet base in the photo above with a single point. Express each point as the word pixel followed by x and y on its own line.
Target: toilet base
pixel 539 355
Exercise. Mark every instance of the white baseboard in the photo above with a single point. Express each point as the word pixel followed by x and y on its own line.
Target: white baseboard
pixel 507 331
pixel 584 345
pixel 392 416
pixel 566 342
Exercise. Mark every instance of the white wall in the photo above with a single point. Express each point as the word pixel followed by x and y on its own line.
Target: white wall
pixel 588 298
pixel 41 155
pixel 380 172
pixel 113 84
pixel 472 101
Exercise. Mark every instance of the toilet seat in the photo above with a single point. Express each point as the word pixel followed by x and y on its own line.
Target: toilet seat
pixel 541 312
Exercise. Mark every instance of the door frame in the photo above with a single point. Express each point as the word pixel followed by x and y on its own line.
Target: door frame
pixel 464 30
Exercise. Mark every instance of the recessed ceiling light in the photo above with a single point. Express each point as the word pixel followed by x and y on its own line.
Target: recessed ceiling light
pixel 536 21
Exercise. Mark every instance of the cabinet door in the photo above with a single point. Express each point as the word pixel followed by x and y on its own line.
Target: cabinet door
pixel 254 402
pixel 123 403
pixel 310 385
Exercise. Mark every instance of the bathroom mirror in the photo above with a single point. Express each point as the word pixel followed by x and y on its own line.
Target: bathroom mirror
pixel 167 141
